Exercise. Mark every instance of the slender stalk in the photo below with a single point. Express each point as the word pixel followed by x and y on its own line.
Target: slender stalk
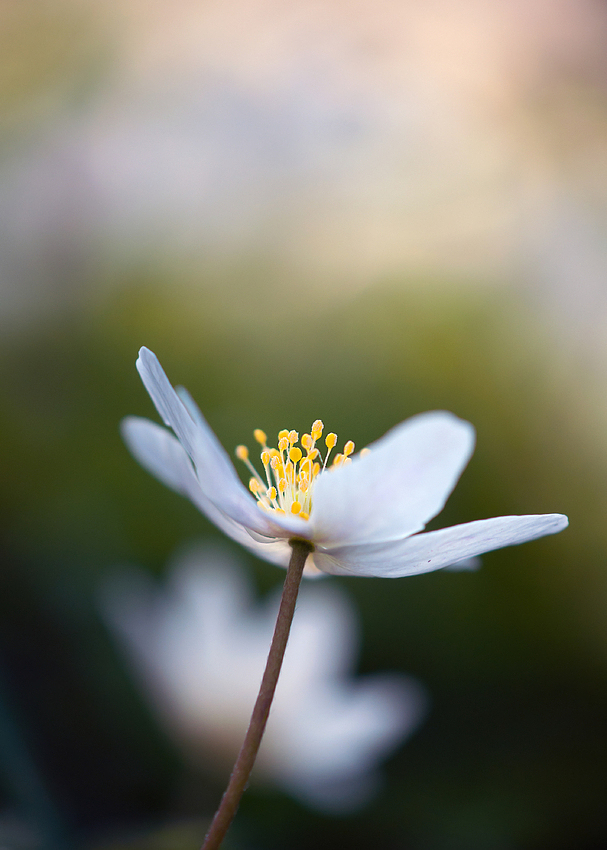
pixel 248 752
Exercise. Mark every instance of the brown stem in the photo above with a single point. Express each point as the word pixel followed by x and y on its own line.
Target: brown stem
pixel 248 752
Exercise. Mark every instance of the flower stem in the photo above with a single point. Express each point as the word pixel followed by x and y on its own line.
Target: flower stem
pixel 248 752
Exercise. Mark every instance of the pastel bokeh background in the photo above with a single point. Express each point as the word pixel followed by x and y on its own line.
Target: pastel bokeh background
pixel 353 211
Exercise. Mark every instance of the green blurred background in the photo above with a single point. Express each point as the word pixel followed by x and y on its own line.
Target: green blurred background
pixel 352 211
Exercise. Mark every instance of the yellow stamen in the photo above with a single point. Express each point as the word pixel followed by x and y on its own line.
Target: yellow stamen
pixel 317 429
pixel 364 452
pixel 290 474
pixel 331 441
pixel 295 454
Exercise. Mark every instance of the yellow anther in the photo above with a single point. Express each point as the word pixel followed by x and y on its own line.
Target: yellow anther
pixel 314 453
pixel 282 485
pixel 364 452
pixel 293 437
pixel 283 434
pixel 283 444
pixel 242 453
pixel 304 515
pixel 317 428
pixel 338 460
pixel 265 457
pixel 254 485
pixel 295 508
pixel 275 462
pixel 271 493
pixel 295 454
pixel 260 436
pixel 315 469
pixel 307 441
pixel 348 448
pixel 330 441
pixel 304 485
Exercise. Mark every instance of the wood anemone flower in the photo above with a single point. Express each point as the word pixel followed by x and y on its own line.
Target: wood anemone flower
pixel 363 515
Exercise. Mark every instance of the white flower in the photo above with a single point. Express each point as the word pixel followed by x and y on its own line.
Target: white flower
pixel 362 517
pixel 200 646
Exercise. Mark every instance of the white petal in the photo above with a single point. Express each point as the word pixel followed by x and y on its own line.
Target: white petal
pixel 160 453
pixel 467 565
pixel 436 549
pixel 343 731
pixel 324 642
pixel 171 409
pixel 216 474
pixel 164 457
pixel 394 490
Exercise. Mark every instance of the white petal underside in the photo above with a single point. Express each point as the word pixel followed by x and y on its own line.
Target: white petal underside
pixel 393 491
pixel 216 474
pixel 436 549
pixel 165 458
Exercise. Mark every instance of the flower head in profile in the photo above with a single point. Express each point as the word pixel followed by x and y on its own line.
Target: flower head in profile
pixel 362 514
pixel 199 645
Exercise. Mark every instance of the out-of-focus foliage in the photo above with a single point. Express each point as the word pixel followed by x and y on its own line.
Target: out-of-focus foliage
pixel 225 185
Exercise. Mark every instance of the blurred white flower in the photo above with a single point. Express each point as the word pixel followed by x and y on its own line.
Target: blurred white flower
pixel 199 646
pixel 362 518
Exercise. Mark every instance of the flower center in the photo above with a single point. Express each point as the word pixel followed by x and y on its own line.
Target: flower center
pixel 289 472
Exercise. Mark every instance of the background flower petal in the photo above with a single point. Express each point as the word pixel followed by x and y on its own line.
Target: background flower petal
pixel 361 721
pixel 198 645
